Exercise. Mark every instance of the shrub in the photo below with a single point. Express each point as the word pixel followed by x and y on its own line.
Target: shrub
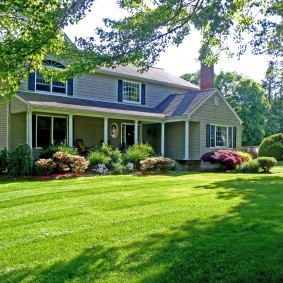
pixel 272 146
pixel 157 164
pixel 266 163
pixel 4 156
pixel 246 155
pixel 45 166
pixel 118 168
pixel 21 161
pixel 136 153
pixel 251 166
pixel 227 158
pixel 101 169
pixel 49 151
pixel 96 157
pixel 78 164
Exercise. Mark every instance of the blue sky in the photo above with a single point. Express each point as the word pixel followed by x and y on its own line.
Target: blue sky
pixel 177 60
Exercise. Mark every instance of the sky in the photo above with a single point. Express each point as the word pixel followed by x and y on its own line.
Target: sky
pixel 176 60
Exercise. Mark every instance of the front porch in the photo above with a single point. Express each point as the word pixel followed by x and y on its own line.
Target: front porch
pixel 177 139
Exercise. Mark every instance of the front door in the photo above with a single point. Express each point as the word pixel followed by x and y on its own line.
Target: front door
pixel 128 134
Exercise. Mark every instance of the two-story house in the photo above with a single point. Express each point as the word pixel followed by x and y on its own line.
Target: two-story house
pixel 121 107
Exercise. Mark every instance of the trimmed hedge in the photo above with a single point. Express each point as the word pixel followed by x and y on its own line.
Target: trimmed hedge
pixel 272 146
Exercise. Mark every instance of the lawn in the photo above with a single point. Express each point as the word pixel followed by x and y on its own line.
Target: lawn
pixel 185 227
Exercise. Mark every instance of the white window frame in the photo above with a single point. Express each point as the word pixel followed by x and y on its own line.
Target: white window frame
pixel 228 141
pixel 140 89
pixel 51 82
pixel 52 128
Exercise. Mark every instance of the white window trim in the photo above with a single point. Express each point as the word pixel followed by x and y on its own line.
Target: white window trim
pixel 130 101
pixel 227 136
pixel 52 128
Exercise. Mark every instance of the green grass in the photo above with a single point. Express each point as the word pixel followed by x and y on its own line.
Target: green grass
pixel 188 227
pixel 278 168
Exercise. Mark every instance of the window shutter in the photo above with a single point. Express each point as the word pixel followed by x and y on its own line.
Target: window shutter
pixel 212 136
pixel 31 81
pixel 143 94
pixel 70 86
pixel 234 137
pixel 207 135
pixel 120 90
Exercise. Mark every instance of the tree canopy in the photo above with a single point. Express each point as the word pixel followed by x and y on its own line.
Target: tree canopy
pixel 29 30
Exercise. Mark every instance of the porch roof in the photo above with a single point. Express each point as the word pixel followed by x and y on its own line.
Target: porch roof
pixel 72 104
pixel 184 103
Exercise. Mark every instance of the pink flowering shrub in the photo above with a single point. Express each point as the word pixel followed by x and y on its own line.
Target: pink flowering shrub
pixel 227 158
pixel 45 166
pixel 157 164
pixel 61 162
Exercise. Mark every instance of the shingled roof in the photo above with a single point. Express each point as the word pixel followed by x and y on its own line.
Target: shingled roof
pixel 173 105
pixel 70 103
pixel 152 74
pixel 184 103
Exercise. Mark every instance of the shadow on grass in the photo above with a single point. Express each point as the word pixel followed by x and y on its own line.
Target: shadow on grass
pixel 244 245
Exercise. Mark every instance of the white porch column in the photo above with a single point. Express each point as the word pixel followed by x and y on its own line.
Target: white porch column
pixel 29 128
pixel 162 139
pixel 106 131
pixel 71 131
pixel 186 140
pixel 136 132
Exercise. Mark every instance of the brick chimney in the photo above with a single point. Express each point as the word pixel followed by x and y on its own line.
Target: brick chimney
pixel 206 76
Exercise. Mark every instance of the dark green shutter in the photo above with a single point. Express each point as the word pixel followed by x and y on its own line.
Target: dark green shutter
pixel 212 136
pixel 31 81
pixel 207 135
pixel 120 90
pixel 234 137
pixel 70 86
pixel 143 94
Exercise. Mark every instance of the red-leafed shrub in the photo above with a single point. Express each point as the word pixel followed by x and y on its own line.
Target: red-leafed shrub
pixel 225 157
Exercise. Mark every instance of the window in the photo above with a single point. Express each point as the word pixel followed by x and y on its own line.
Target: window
pixel 220 136
pixel 37 82
pixel 49 130
pixel 131 92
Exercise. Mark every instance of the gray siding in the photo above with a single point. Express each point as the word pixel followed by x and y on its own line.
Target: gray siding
pixel 209 113
pixel 17 106
pixel 3 126
pixel 18 129
pixel 194 141
pixel 89 129
pixel 175 140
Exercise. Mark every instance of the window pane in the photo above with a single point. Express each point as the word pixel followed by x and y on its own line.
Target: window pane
pixel 41 84
pixel 58 87
pixel 59 130
pixel 221 136
pixel 131 92
pixel 43 131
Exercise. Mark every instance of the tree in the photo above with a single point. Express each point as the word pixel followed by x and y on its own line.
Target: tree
pixel 247 98
pixel 154 24
pixel 273 85
pixel 194 78
pixel 30 30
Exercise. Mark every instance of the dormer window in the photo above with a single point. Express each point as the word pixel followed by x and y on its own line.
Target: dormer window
pixel 37 81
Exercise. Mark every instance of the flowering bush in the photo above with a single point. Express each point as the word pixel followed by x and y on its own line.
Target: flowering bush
pixel 101 169
pixel 45 166
pixel 227 158
pixel 130 167
pixel 157 164
pixel 78 164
